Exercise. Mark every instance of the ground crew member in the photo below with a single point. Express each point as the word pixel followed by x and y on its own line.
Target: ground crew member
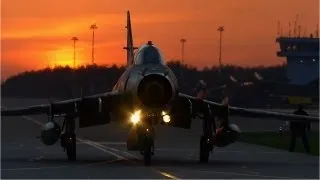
pixel 298 129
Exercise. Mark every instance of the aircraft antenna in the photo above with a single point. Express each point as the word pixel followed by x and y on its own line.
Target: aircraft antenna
pixel 93 27
pixel 220 29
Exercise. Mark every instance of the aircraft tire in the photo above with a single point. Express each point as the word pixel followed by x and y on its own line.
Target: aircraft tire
pixel 71 148
pixel 147 156
pixel 204 150
pixel 147 151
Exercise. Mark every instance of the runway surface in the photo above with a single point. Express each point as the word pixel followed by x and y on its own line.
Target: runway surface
pixel 101 153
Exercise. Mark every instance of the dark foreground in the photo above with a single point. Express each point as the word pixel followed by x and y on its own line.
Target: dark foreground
pixel 105 155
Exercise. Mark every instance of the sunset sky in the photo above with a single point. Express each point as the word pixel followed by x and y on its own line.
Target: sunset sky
pixel 37 33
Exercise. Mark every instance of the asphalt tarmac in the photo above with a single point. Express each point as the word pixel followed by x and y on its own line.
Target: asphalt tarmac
pixel 101 153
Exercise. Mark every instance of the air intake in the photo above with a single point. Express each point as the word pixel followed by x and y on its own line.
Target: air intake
pixel 154 91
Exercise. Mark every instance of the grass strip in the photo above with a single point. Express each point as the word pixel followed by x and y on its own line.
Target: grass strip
pixel 281 141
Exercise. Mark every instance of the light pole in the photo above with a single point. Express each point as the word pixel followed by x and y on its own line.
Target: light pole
pixel 93 27
pixel 183 41
pixel 74 39
pixel 220 29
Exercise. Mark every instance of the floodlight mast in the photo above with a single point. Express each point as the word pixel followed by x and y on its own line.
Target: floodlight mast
pixel 220 29
pixel 74 39
pixel 93 27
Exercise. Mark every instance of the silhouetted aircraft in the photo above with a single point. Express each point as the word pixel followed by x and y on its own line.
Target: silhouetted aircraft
pixel 146 94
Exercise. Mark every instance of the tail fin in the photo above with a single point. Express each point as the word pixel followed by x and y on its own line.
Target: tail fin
pixel 130 49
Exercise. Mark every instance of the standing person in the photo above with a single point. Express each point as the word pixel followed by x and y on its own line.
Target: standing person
pixel 298 129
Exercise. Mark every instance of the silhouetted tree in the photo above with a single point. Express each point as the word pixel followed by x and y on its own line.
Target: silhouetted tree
pixel 65 82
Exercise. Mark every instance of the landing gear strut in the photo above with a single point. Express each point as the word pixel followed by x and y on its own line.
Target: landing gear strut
pixel 148 149
pixel 68 138
pixel 141 138
pixel 206 140
pixel 205 147
pixel 146 139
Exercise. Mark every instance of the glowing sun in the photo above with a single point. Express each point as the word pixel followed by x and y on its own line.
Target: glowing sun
pixel 64 57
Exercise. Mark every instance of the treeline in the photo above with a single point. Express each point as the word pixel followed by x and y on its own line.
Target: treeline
pixel 65 82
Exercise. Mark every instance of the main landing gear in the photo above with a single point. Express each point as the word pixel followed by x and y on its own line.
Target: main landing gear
pixel 206 140
pixel 68 138
pixel 206 147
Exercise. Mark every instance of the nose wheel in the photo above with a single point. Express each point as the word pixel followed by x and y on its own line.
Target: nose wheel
pixel 71 149
pixel 146 143
pixel 147 150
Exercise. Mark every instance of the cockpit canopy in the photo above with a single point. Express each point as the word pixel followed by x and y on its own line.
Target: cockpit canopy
pixel 148 54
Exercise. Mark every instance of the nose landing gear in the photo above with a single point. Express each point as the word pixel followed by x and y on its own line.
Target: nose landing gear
pixel 146 143
pixel 147 149
pixel 141 138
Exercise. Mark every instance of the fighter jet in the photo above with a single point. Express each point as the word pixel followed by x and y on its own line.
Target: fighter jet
pixel 146 94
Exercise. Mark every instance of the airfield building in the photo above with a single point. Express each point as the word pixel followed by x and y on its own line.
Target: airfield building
pixel 302 55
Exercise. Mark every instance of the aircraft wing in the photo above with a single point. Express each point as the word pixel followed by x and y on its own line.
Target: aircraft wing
pixel 244 112
pixel 58 108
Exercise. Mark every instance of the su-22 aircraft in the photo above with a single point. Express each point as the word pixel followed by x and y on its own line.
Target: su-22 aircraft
pixel 146 94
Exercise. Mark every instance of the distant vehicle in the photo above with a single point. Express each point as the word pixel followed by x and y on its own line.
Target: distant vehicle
pixel 146 94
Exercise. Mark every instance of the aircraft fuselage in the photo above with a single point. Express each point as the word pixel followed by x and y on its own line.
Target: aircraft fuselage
pixel 152 86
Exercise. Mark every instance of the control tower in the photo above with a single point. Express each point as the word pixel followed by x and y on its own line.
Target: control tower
pixel 302 55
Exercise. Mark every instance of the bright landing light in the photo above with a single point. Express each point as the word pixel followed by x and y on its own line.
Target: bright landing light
pixel 135 117
pixel 166 117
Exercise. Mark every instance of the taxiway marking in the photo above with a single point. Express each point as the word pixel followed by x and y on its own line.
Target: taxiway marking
pixel 100 147
pixel 252 174
pixel 105 149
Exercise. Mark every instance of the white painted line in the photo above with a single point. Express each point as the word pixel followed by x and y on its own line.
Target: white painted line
pixel 106 143
pixel 33 120
pixel 102 148
pixel 120 151
pixel 167 175
pixel 251 174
